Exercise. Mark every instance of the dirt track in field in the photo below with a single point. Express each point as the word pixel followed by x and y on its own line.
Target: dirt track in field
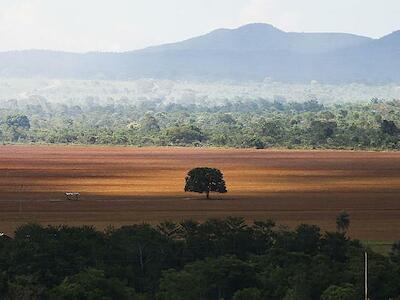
pixel 125 185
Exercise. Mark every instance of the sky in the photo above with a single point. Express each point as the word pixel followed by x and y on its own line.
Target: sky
pixel 122 25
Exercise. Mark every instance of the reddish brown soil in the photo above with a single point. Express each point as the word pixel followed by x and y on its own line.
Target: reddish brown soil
pixel 125 185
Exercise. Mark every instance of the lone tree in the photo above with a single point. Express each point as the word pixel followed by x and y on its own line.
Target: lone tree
pixel 205 180
pixel 343 221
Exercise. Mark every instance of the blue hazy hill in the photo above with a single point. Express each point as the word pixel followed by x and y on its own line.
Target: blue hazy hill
pixel 250 52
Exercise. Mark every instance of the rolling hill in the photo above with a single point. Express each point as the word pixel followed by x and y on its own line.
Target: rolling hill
pixel 250 52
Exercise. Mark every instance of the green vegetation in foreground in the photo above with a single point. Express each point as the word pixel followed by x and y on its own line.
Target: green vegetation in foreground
pixel 218 259
pixel 248 123
pixel 381 247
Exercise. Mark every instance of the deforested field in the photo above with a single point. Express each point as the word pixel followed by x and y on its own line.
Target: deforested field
pixel 123 185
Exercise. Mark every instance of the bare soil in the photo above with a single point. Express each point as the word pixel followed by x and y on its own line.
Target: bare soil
pixel 123 185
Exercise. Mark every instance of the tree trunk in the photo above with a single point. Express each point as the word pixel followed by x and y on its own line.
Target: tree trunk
pixel 141 258
pixel 208 194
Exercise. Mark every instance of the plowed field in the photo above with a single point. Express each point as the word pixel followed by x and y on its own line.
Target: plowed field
pixel 121 185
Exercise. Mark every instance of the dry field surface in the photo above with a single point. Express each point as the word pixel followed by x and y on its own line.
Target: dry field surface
pixel 126 185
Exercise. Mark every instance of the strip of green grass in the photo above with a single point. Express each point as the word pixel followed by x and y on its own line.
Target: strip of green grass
pixel 381 247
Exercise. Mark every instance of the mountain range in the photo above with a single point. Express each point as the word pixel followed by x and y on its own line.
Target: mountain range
pixel 250 52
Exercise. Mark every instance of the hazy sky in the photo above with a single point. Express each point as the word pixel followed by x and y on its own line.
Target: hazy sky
pixel 118 25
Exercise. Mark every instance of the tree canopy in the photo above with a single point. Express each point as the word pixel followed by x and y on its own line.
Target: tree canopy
pixel 249 123
pixel 18 121
pixel 205 180
pixel 216 259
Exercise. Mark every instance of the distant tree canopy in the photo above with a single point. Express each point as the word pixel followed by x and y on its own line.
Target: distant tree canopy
pixel 249 123
pixel 205 180
pixel 389 127
pixel 184 134
pixel 149 123
pixel 321 130
pixel 18 121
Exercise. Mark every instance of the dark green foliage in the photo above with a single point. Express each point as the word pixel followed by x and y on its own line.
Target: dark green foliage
pixel 345 292
pixel 149 124
pixel 137 254
pixel 312 106
pixel 246 294
pixel 212 278
pixel 217 259
pixel 395 252
pixel 25 288
pixel 254 142
pixel 227 119
pixel 389 127
pixel 91 284
pixel 16 128
pixel 320 130
pixel 184 134
pixel 205 180
pixel 18 121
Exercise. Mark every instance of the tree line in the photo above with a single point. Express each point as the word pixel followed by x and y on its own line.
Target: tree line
pixel 189 260
pixel 257 123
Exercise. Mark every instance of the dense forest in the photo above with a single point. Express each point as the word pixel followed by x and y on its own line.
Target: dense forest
pixel 258 123
pixel 216 259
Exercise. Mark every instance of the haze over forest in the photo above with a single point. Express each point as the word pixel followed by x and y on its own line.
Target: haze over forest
pixel 252 52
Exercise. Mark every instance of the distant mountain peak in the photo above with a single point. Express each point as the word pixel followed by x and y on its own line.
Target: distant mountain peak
pixel 393 35
pixel 259 26
pixel 264 37
pixel 391 40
